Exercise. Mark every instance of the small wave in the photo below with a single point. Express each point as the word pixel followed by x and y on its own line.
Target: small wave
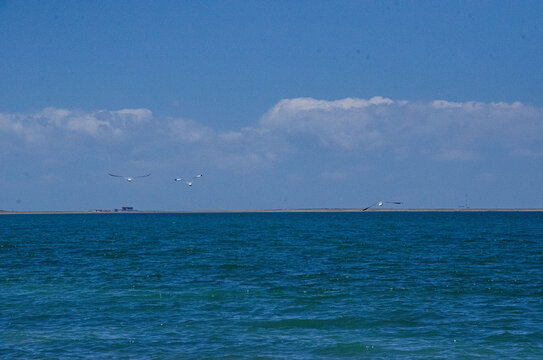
pixel 345 322
pixel 347 349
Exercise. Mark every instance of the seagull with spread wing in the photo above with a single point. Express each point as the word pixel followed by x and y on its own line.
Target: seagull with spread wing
pixel 380 203
pixel 189 182
pixel 129 178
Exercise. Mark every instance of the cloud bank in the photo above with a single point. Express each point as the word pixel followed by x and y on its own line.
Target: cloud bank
pixel 440 130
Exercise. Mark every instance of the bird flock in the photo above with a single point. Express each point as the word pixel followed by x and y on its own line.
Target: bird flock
pixel 187 181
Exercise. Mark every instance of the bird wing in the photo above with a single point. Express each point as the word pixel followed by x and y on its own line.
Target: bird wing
pixel 140 176
pixel 366 208
pixel 381 203
pixel 116 175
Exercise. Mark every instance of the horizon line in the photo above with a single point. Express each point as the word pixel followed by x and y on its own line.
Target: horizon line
pixel 298 210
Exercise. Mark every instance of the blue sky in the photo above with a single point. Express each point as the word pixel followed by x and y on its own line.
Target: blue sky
pixel 280 104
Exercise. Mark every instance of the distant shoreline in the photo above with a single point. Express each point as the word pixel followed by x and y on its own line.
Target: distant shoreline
pixel 317 210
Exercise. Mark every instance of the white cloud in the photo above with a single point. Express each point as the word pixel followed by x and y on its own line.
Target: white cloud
pixel 50 123
pixel 53 115
pixel 135 114
pixel 88 124
pixel 309 104
pixel 443 104
pixel 437 130
pixel 188 131
pixel 462 128
pixel 345 124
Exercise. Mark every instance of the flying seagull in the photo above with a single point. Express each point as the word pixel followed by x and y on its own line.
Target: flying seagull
pixel 188 182
pixel 380 203
pixel 129 178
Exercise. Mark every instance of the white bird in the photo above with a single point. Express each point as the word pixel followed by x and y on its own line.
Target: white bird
pixel 188 182
pixel 380 203
pixel 129 178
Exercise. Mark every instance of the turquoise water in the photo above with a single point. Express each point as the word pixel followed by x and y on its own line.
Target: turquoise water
pixel 286 285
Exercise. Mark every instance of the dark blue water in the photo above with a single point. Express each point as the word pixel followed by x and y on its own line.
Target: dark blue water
pixel 292 285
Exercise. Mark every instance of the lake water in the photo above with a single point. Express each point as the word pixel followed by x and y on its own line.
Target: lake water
pixel 272 285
